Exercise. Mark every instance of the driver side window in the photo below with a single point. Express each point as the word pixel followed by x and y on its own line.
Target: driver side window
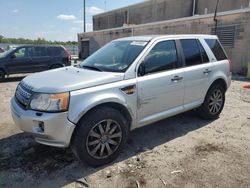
pixel 162 57
pixel 21 53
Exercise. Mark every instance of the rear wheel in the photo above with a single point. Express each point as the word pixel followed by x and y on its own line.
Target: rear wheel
pixel 100 136
pixel 2 75
pixel 214 102
pixel 56 66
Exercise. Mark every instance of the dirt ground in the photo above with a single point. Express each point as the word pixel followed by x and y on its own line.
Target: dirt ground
pixel 183 151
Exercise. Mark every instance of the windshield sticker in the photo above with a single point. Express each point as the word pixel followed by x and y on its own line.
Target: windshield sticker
pixel 138 43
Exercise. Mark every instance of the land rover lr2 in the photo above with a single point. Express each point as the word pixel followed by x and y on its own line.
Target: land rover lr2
pixel 129 83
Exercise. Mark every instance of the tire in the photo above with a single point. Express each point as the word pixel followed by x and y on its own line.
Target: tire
pixel 56 66
pixel 213 103
pixel 92 146
pixel 2 75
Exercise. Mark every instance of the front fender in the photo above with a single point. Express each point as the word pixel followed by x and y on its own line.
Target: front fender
pixel 84 100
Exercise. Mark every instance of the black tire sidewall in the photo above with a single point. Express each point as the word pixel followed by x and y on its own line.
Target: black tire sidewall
pixel 204 110
pixel 86 124
pixel 56 66
pixel 2 76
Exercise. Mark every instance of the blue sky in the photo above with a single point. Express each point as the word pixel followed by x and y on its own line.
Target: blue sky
pixel 51 19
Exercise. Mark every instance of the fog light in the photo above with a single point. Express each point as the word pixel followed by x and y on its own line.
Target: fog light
pixel 41 126
pixel 38 127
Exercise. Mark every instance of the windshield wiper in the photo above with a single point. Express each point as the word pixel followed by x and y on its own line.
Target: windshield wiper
pixel 92 68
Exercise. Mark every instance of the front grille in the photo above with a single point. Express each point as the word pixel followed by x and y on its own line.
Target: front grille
pixel 23 94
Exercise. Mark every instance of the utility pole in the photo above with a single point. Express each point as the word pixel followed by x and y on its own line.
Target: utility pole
pixel 84 16
pixel 215 17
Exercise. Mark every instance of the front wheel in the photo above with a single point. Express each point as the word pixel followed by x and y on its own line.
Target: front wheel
pixel 2 76
pixel 213 103
pixel 100 136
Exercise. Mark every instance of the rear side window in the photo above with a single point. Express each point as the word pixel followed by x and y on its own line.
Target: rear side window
pixel 57 51
pixel 162 57
pixel 216 49
pixel 191 52
pixel 39 52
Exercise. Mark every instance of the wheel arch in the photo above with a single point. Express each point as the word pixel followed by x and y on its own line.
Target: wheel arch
pixel 121 108
pixel 220 81
pixel 3 69
pixel 56 64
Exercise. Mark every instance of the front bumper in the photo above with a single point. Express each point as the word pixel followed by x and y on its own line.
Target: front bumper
pixel 57 129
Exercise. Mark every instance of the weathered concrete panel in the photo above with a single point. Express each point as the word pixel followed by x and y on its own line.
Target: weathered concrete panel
pixel 159 10
pixel 239 53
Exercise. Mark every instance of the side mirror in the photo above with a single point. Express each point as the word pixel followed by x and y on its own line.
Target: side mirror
pixel 13 56
pixel 141 69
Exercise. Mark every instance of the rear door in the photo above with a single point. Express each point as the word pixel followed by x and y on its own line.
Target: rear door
pixel 40 58
pixel 161 89
pixel 19 61
pixel 197 72
pixel 59 55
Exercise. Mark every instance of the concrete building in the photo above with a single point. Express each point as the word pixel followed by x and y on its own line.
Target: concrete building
pixel 233 25
pixel 159 10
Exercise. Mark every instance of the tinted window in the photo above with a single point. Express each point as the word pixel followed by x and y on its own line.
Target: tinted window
pixel 57 51
pixel 203 53
pixel 191 52
pixel 216 49
pixel 39 52
pixel 162 57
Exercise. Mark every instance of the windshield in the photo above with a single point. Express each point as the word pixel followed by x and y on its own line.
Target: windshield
pixel 4 54
pixel 116 56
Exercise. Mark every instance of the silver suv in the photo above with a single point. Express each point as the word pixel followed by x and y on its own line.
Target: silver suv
pixel 129 83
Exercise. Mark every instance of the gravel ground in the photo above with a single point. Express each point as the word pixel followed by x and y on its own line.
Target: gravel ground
pixel 183 151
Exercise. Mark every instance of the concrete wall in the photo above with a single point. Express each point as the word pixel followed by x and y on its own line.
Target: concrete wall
pixel 224 5
pixel 159 10
pixel 238 52
pixel 146 12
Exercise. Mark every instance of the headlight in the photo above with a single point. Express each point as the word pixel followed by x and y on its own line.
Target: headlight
pixel 50 102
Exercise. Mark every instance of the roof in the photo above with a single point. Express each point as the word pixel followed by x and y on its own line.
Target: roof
pixel 151 37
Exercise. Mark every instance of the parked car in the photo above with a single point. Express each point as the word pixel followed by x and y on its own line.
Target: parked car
pixel 129 83
pixel 28 59
pixel 1 50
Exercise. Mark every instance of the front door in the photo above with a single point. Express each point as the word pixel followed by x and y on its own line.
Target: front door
pixel 19 61
pixel 161 89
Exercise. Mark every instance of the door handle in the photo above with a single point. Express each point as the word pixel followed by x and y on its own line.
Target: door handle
pixel 176 78
pixel 207 71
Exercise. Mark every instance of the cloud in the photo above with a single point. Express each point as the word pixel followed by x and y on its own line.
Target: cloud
pixel 15 11
pixel 78 22
pixel 94 10
pixel 81 22
pixel 66 17
pixel 89 26
pixel 46 33
pixel 79 29
pixel 74 29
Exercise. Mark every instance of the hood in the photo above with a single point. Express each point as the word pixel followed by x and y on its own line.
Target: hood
pixel 69 79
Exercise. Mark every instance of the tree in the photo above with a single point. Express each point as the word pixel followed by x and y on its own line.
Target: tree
pixel 37 41
pixel 1 38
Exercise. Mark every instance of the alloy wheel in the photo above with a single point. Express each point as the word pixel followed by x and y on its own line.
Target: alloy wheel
pixel 215 101
pixel 104 139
